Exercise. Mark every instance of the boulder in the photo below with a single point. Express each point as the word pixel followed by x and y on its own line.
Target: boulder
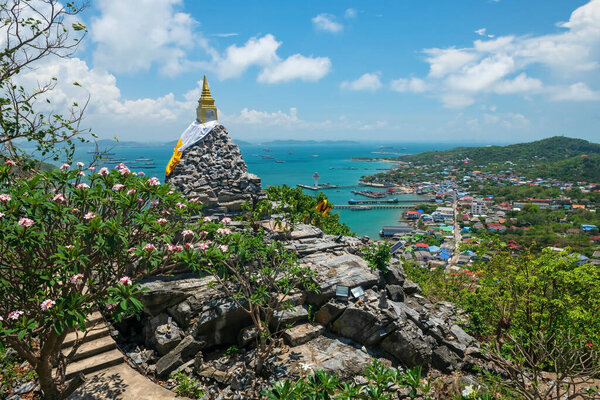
pixel 332 355
pixel 303 333
pixel 329 312
pixel 183 352
pixel 395 292
pixel 285 317
pixel 347 269
pixel 395 274
pixel 163 292
pixel 444 360
pixel 162 333
pixel 408 345
pixel 463 337
pixel 366 326
pixel 411 287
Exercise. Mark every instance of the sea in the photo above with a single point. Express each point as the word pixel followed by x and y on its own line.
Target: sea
pixel 298 162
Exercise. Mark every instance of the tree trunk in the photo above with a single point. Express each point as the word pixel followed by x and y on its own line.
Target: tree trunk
pixel 49 389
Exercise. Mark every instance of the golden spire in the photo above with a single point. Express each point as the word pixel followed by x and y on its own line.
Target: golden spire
pixel 206 111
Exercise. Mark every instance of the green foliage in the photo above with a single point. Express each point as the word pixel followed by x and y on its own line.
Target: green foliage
pixel 186 386
pixel 323 386
pixel 231 350
pixel 293 206
pixel 378 255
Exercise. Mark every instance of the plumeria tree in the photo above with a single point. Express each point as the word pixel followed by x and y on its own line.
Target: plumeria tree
pixel 71 240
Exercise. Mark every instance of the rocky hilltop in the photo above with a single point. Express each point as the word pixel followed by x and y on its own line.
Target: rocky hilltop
pixel 214 171
pixel 189 322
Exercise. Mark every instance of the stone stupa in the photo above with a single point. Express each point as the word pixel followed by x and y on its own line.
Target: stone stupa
pixel 213 169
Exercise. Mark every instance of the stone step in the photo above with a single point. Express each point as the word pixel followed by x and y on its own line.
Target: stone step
pixel 92 348
pixel 95 363
pixel 95 319
pixel 96 332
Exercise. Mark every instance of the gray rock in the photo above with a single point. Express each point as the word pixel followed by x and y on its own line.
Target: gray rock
pixel 444 360
pixel 365 326
pixel 395 292
pixel 462 336
pixel 411 287
pixel 285 317
pixel 247 335
pixel 348 270
pixel 332 355
pixel 303 333
pixel 329 312
pixel 15 397
pixel 408 345
pixel 24 388
pixel 395 274
pixel 184 351
pixel 162 333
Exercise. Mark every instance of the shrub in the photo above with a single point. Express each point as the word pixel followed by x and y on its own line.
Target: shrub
pixel 378 255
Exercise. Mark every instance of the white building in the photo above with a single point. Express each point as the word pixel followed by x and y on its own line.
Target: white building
pixel 478 207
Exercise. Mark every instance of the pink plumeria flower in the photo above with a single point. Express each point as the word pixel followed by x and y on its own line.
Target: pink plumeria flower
pixel 83 186
pixel 141 173
pixel 149 247
pixel 161 221
pixel 111 306
pixel 153 181
pixel 4 198
pixel 170 192
pixel 121 165
pixel 180 205
pixel 140 200
pixel 226 221
pixel 203 246
pixel 59 198
pixel 118 187
pixel 204 234
pixel 10 162
pixel 25 222
pixel 2 215
pixel 154 202
pixel 131 191
pixel 65 166
pixel 15 315
pixel 103 171
pixel 124 171
pixel 75 210
pixel 188 246
pixel 125 281
pixel 223 248
pixel 195 200
pixel 80 164
pixel 69 247
pixel 77 279
pixel 206 219
pixel 47 304
pixel 81 173
pixel 187 232
pixel 174 249
pixel 92 168
pixel 224 231
pixel 89 216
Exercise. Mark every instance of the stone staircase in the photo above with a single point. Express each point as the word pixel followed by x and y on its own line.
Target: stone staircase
pixel 98 352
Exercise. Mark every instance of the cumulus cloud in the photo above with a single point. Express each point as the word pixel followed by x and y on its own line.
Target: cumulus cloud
pixel 457 76
pixel 368 81
pixel 262 52
pixel 132 36
pixel 326 22
pixel 350 13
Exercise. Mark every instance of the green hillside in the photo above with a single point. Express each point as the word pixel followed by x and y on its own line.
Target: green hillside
pixel 585 169
pixel 551 149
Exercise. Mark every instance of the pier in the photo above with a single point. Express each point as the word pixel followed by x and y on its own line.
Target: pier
pixel 325 186
pixel 383 201
pixel 374 206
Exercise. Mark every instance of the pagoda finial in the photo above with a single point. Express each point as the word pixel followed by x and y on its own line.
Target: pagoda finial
pixel 206 111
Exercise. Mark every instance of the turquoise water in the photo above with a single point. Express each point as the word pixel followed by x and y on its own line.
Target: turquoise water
pixel 333 165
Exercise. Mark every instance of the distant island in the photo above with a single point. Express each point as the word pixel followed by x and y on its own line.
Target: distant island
pixel 305 142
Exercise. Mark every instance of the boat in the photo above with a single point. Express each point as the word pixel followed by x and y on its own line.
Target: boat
pixel 143 159
pixel 266 150
pixel 279 161
pixel 361 208
pixel 315 155
pixel 267 157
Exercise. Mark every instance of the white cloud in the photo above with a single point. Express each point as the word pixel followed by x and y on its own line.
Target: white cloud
pixel 414 85
pixel 368 81
pixel 225 35
pixel 263 118
pixel 576 92
pixel 133 36
pixel 458 76
pixel 308 69
pixel 326 22
pixel 350 13
pixel 482 32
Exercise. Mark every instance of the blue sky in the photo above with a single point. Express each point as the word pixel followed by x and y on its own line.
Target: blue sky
pixel 478 71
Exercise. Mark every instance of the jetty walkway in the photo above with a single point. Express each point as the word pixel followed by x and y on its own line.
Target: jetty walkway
pixel 373 206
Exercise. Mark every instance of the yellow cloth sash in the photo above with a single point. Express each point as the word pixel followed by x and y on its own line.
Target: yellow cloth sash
pixel 175 159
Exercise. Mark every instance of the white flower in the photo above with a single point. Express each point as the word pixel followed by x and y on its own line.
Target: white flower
pixel 153 181
pixel 468 390
pixel 125 280
pixel 80 164
pixel 103 171
pixel 47 304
